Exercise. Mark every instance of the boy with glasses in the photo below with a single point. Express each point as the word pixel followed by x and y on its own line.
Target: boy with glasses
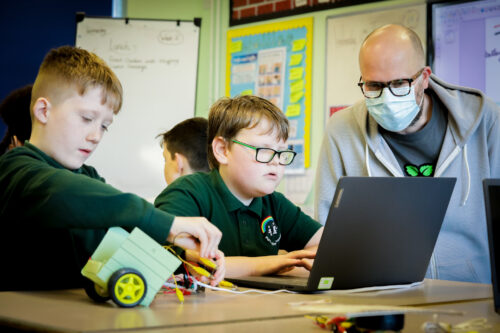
pixel 411 123
pixel 248 153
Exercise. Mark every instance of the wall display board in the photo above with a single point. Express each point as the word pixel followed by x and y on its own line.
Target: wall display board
pixel 273 61
pixel 466 44
pixel 343 41
pixel 156 62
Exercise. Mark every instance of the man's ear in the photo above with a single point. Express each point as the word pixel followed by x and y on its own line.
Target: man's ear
pixel 426 74
pixel 220 149
pixel 41 109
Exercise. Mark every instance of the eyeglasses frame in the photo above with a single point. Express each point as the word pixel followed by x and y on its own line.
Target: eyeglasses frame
pixel 275 152
pixel 388 84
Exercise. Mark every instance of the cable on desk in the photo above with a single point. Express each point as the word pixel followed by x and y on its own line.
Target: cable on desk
pixel 472 325
pixel 245 291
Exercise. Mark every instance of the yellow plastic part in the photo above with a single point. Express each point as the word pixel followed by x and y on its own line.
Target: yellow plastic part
pixel 226 284
pixel 201 271
pixel 179 294
pixel 208 263
pixel 129 288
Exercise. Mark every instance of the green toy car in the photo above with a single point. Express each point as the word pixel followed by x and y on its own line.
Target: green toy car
pixel 129 268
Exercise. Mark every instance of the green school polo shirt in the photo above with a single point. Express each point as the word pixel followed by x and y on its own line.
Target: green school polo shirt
pixel 52 219
pixel 268 224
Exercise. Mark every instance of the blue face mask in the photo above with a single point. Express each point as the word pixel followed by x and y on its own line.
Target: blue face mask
pixel 393 113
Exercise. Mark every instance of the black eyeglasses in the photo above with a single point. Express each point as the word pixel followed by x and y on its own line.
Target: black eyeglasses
pixel 266 155
pixel 399 87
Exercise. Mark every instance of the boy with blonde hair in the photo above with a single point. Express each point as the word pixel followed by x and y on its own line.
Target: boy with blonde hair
pixel 54 210
pixel 247 153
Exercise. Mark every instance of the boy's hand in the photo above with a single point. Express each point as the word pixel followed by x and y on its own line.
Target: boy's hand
pixel 196 233
pixel 217 276
pixel 266 265
pixel 286 262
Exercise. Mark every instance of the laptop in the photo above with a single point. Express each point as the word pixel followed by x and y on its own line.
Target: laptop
pixel 491 189
pixel 380 231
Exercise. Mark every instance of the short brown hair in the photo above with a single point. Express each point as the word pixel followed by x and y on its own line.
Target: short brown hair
pixel 230 115
pixel 189 138
pixel 67 68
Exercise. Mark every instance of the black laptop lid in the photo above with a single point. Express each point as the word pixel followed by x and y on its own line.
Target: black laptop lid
pixel 491 189
pixel 380 231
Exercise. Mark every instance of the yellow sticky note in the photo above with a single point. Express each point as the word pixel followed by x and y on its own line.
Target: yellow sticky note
pixel 293 110
pixel 236 46
pixel 296 96
pixel 296 73
pixel 297 85
pixel 298 45
pixel 295 59
pixel 247 92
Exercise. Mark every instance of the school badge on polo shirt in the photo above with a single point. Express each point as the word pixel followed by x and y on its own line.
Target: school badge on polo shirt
pixel 270 230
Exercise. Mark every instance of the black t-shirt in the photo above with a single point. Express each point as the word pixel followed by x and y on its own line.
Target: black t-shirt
pixel 417 153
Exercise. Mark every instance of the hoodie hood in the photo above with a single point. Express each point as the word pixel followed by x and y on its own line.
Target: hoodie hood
pixel 456 99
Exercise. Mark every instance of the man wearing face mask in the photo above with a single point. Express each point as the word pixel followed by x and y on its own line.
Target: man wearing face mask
pixel 411 123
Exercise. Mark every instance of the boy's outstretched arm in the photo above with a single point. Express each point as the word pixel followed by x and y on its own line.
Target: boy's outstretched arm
pixel 195 233
pixel 265 265
pixel 313 242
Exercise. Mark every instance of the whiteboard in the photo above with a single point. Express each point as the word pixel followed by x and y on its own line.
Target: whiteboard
pixel 156 62
pixel 344 37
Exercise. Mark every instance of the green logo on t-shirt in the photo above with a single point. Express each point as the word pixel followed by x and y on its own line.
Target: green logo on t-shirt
pixel 425 170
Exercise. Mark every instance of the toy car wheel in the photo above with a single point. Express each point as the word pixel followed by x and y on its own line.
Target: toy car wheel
pixel 95 292
pixel 127 287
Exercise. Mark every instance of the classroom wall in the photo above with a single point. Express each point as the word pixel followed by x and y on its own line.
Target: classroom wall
pixel 211 78
pixel 29 29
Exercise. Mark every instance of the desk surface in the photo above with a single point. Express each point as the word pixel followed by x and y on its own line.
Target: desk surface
pixel 413 323
pixel 72 310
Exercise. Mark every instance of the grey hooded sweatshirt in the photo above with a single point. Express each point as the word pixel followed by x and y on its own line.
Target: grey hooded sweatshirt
pixel 353 146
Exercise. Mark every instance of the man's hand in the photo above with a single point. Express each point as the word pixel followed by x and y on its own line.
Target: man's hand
pixel 195 233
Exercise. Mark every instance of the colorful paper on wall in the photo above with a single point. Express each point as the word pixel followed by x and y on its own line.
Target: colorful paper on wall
pixel 273 61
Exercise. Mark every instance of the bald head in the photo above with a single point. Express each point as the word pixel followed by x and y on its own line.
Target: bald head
pixel 391 52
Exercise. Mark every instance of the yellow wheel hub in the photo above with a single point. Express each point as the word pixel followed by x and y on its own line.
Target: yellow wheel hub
pixel 129 288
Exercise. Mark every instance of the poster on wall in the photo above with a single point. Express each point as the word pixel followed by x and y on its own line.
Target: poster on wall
pixel 273 61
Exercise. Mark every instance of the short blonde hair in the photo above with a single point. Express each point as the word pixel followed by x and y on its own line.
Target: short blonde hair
pixel 230 115
pixel 68 68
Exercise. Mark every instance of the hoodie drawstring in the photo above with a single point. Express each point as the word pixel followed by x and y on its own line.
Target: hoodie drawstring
pixel 367 161
pixel 468 176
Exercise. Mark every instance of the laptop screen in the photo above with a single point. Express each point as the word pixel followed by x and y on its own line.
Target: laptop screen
pixel 492 201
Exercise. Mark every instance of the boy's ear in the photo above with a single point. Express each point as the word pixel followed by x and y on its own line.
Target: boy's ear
pixel 179 162
pixel 41 109
pixel 182 163
pixel 220 149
